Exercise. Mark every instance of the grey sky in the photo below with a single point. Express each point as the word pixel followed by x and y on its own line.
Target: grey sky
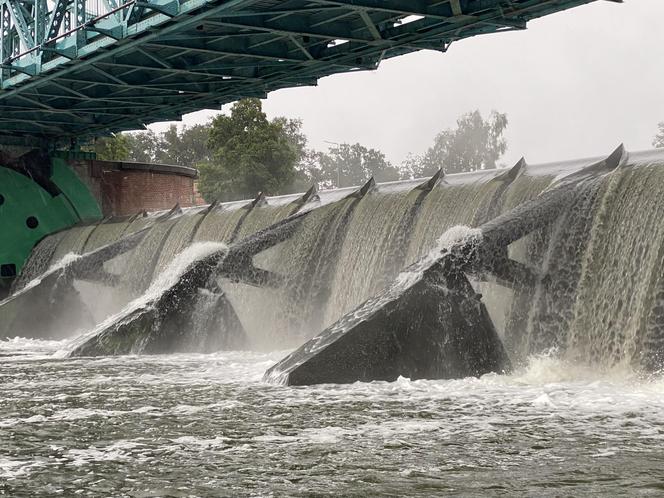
pixel 574 84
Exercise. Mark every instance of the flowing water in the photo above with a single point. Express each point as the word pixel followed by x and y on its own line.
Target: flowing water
pixel 577 416
pixel 206 425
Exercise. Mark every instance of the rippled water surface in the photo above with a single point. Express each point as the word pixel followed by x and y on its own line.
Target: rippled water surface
pixel 206 425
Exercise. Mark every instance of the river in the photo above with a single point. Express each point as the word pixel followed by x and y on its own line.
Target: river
pixel 207 425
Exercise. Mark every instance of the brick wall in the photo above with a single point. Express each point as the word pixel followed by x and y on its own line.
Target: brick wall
pixel 198 198
pixel 128 188
pixel 130 192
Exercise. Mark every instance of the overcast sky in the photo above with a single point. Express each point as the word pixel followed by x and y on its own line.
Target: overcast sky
pixel 573 84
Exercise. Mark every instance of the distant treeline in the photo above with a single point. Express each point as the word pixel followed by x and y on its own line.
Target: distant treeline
pixel 244 153
pixel 658 142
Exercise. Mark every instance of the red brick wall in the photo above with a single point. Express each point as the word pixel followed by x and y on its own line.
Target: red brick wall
pixel 198 198
pixel 122 192
pixel 130 192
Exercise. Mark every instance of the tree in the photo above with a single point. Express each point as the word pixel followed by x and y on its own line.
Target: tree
pixel 659 138
pixel 243 153
pixel 186 147
pixel 345 165
pixel 306 166
pixel 139 147
pixel 296 137
pixel 474 145
pixel 113 148
pixel 410 166
pixel 144 146
pixel 250 154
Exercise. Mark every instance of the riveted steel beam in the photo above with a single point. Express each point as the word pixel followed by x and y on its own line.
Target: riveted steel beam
pixel 56 18
pixel 17 11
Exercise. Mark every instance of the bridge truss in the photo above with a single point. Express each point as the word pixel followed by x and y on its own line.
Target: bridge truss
pixel 83 68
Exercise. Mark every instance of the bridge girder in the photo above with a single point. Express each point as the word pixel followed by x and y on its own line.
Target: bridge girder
pixel 83 68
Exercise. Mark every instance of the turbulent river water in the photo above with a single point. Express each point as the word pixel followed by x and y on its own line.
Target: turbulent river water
pixel 207 425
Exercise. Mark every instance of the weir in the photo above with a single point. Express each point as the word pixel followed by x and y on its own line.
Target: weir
pixel 552 286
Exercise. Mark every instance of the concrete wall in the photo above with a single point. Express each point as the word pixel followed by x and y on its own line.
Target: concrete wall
pixel 124 188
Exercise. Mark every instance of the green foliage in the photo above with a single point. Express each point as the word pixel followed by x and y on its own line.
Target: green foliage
pixel 250 154
pixel 475 144
pixel 186 146
pixel 659 138
pixel 113 148
pixel 241 154
pixel 293 130
pixel 144 146
pixel 306 168
pixel 345 165
pixel 410 166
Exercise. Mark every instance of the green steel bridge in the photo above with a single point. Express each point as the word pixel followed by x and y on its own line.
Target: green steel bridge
pixel 86 68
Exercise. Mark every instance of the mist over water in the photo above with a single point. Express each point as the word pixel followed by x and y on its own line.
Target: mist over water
pixel 577 416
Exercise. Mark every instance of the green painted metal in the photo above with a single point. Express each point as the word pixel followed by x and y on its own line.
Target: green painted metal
pixel 28 212
pixel 93 67
pixel 75 191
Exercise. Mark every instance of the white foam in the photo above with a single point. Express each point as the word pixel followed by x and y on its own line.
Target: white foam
pixel 201 443
pixel 119 451
pixel 165 280
pixel 69 414
pixel 66 260
pixel 19 348
pixel 10 469
pixel 453 236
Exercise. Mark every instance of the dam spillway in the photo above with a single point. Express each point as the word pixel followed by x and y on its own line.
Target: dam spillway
pixel 350 247
pixel 582 415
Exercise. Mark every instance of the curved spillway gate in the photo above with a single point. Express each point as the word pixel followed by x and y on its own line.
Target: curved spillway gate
pixel 381 271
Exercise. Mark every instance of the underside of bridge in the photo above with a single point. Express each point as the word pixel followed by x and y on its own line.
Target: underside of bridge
pixel 87 68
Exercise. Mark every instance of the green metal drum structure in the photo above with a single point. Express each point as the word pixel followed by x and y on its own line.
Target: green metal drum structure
pixel 31 209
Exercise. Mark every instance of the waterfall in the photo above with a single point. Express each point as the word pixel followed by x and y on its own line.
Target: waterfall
pixel 40 260
pixel 621 269
pixel 372 252
pixel 444 207
pixel 537 318
pixel 219 225
pixel 599 294
pixel 137 269
pixel 307 261
pixel 261 217
pixel 179 237
pixel 103 234
pixel 73 242
pixel 599 299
